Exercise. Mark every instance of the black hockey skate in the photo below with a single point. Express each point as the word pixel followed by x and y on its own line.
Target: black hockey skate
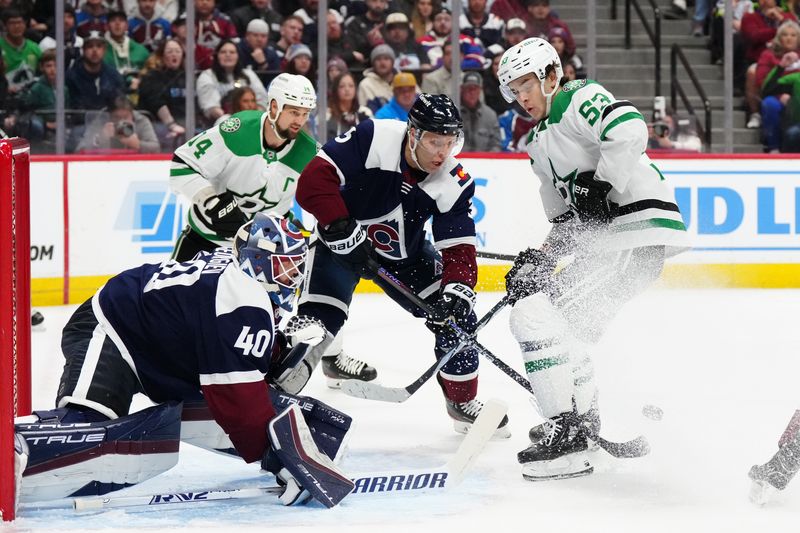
pixel 590 419
pixel 338 368
pixel 560 454
pixel 775 473
pixel 464 415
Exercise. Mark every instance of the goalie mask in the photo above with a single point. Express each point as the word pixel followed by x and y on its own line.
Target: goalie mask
pixel 272 251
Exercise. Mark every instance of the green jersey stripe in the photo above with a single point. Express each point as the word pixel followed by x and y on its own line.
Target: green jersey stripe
pixel 619 120
pixel 182 171
pixel 651 223
pixel 543 364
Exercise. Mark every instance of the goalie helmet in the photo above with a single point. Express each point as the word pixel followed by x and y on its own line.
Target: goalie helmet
pixel 292 89
pixel 533 55
pixel 272 251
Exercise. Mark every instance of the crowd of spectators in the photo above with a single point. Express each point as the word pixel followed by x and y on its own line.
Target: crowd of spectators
pixel 125 64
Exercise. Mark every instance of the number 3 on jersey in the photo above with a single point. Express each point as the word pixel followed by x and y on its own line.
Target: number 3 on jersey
pixel 255 343
pixel 591 109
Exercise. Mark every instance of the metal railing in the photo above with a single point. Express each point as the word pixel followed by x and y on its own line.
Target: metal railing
pixel 653 32
pixel 676 89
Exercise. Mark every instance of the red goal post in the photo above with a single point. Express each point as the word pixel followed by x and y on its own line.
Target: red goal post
pixel 15 306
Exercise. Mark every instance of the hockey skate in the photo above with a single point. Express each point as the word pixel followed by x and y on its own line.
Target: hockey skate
pixel 464 415
pixel 560 454
pixel 591 420
pixel 338 368
pixel 776 473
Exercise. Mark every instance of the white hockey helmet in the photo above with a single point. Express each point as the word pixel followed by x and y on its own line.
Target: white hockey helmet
pixel 292 89
pixel 531 55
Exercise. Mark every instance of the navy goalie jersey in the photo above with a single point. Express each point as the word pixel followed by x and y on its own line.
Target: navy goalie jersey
pixel 202 325
pixel 362 174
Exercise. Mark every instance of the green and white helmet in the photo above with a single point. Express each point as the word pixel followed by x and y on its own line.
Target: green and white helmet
pixel 533 55
pixel 292 89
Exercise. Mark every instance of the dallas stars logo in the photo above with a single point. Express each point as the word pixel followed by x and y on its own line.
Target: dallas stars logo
pixel 231 125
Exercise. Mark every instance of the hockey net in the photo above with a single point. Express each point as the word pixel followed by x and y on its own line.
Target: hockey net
pixel 15 306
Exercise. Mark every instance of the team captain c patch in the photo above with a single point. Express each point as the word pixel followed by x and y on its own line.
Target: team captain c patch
pixel 461 174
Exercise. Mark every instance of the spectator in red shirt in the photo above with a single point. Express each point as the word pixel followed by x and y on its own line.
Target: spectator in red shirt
pixel 508 9
pixel 213 26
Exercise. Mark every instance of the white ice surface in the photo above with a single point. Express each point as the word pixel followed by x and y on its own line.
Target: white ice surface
pixel 723 364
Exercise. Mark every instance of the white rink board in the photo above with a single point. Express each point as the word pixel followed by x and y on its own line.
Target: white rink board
pixel 121 213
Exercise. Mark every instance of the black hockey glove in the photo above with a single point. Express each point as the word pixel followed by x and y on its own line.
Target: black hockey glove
pixel 456 301
pixel 350 246
pixel 532 272
pixel 591 198
pixel 221 214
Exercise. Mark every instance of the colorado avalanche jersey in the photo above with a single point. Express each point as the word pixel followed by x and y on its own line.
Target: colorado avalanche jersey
pixel 363 174
pixel 589 130
pixel 202 325
pixel 233 156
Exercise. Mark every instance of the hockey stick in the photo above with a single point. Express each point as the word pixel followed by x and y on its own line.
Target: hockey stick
pixel 445 477
pixel 374 391
pixel 492 255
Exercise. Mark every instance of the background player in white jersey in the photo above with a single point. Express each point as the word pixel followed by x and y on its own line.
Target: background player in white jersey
pixel 201 332
pixel 372 191
pixel 611 211
pixel 248 164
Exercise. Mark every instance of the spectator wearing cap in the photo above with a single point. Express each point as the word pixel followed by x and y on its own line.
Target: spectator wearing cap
pixel 409 54
pixel 299 60
pixel 422 16
pixel 336 67
pixel 21 55
pixel 376 89
pixel 91 17
pixel 213 26
pixel 203 55
pixel 491 84
pixel 254 49
pixel 479 24
pixel 562 41
pixel 515 32
pixel 481 129
pixel 291 33
pixel 508 9
pixel 541 20
pixel 122 52
pixel 338 46
pixel 364 31
pixel 92 83
pixel 404 92
pixel 146 27
pixel 256 9
pixel 73 43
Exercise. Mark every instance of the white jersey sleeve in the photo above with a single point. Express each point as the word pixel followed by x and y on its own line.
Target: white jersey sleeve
pixel 198 165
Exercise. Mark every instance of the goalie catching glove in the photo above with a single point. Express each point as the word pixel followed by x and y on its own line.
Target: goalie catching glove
pixel 591 198
pixel 221 214
pixel 291 369
pixel 532 272
pixel 299 466
pixel 350 246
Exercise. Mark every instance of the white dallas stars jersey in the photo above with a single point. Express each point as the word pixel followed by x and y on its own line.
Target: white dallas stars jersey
pixel 589 130
pixel 234 157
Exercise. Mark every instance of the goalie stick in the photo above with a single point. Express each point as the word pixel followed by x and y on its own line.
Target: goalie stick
pixel 401 481
pixel 637 447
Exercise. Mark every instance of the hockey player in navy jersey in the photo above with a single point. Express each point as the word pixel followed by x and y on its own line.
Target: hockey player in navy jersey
pixel 204 329
pixel 612 212
pixel 372 190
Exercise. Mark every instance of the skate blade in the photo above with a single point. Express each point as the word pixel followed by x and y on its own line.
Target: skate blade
pixel 569 466
pixel 334 383
pixel 499 433
pixel 761 492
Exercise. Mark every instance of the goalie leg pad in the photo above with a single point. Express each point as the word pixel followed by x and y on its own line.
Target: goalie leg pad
pixel 92 458
pixel 329 427
pixel 199 428
pixel 311 469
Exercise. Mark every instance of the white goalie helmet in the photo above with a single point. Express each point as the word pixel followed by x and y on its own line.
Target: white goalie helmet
pixel 531 55
pixel 292 89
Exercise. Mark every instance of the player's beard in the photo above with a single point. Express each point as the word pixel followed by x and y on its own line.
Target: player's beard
pixel 287 133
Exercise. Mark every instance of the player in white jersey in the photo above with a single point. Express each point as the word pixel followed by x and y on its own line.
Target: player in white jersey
pixel 612 212
pixel 248 164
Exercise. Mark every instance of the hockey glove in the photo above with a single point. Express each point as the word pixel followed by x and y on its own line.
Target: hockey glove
pixel 456 302
pixel 591 198
pixel 221 214
pixel 532 272
pixel 291 369
pixel 350 246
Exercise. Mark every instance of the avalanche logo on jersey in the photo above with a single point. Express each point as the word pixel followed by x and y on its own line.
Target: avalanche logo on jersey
pixel 387 234
pixel 461 174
